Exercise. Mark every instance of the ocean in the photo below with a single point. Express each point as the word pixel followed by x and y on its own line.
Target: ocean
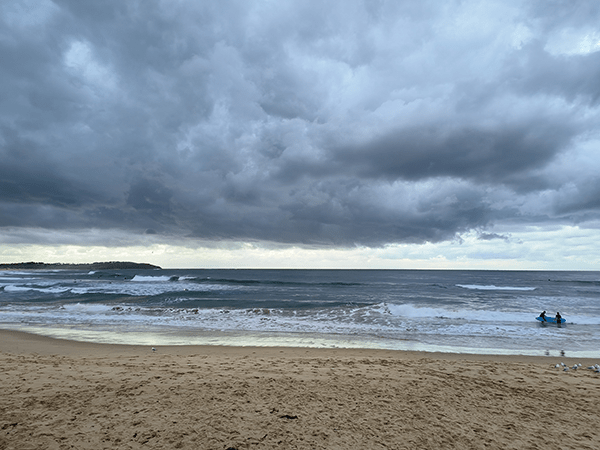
pixel 484 312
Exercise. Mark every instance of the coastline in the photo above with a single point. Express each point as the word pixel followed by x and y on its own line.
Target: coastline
pixel 56 393
pixel 22 342
pixel 178 339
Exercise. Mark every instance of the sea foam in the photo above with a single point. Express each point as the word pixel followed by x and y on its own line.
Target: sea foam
pixel 144 279
pixel 495 288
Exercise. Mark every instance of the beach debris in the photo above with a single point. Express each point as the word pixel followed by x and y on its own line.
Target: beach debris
pixel 287 416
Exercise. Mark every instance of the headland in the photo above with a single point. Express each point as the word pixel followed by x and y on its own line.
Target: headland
pixel 111 265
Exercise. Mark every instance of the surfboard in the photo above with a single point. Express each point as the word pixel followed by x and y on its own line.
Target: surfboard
pixel 550 320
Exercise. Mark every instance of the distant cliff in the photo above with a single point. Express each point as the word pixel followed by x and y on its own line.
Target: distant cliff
pixel 112 265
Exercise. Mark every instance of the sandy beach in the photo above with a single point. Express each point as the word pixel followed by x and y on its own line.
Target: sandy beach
pixel 59 394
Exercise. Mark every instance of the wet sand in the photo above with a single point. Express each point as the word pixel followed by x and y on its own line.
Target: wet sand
pixel 57 394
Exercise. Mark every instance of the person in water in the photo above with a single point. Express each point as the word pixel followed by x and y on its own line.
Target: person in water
pixel 558 317
pixel 543 316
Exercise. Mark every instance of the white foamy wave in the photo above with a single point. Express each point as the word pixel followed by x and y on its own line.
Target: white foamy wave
pixel 90 308
pixel 146 288
pixel 18 272
pixel 491 287
pixel 56 290
pixel 410 311
pixel 582 320
pixel 11 288
pixel 144 279
pixel 6 279
pixel 134 290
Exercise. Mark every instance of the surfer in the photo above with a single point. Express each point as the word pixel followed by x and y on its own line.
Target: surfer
pixel 543 316
pixel 558 317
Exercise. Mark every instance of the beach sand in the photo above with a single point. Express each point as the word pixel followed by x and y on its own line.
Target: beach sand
pixel 58 394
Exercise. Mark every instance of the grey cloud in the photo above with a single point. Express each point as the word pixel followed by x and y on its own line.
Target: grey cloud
pixel 557 14
pixel 492 236
pixel 149 196
pixel 576 78
pixel 329 124
pixel 582 202
pixel 433 217
pixel 501 155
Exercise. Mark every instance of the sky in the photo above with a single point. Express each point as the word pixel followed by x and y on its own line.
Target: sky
pixel 301 134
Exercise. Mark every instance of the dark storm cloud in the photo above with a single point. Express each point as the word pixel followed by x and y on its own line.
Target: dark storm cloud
pixel 338 123
pixel 483 155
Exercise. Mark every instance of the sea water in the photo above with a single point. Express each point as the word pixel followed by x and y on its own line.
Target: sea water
pixel 490 312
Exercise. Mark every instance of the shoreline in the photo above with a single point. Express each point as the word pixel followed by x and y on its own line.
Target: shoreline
pixel 58 394
pixel 22 342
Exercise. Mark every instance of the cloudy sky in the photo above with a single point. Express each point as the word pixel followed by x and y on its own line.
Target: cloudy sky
pixel 273 133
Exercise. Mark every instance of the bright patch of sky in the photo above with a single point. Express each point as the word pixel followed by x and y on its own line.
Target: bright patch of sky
pixel 574 41
pixel 81 62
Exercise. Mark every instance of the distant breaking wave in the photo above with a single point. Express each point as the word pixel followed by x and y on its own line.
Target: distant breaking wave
pixel 495 288
pixel 141 278
pixel 240 281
